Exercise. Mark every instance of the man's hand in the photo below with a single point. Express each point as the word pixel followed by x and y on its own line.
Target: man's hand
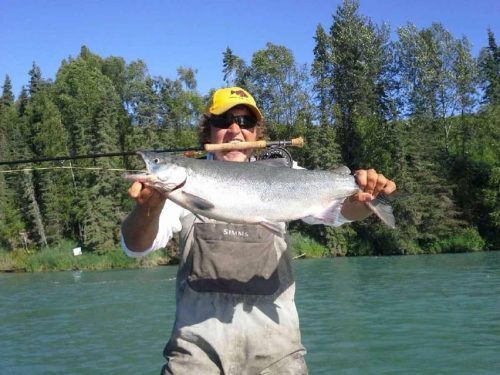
pixel 146 196
pixel 140 227
pixel 371 184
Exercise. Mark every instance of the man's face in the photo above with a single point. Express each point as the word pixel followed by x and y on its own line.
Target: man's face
pixel 233 134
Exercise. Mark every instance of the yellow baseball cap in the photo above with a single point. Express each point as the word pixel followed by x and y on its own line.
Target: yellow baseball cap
pixel 229 97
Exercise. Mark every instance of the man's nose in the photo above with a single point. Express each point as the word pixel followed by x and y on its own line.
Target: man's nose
pixel 234 127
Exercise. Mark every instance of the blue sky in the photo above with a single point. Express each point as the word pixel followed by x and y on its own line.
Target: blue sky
pixel 194 33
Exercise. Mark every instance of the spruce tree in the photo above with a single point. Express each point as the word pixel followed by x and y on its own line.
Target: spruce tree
pixel 489 63
pixel 11 224
pixel 53 186
pixel 28 197
pixel 7 98
pixel 36 80
pixel 90 111
pixel 322 74
pixel 22 101
pixel 358 75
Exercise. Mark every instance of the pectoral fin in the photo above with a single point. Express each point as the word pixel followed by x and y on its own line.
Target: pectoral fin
pixel 196 202
pixel 380 207
pixel 328 216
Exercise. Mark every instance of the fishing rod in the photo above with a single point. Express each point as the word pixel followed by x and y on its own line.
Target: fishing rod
pixel 209 147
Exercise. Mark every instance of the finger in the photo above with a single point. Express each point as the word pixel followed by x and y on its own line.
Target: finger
pixel 379 186
pixel 135 189
pixel 140 193
pixel 360 175
pixel 361 197
pixel 146 194
pixel 371 181
pixel 389 188
pixel 151 197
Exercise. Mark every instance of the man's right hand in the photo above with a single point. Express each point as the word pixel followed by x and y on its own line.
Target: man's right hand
pixel 140 227
pixel 146 196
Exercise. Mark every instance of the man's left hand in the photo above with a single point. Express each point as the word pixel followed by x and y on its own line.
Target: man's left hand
pixel 371 184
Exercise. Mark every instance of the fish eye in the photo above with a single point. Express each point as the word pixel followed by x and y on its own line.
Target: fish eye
pixel 156 161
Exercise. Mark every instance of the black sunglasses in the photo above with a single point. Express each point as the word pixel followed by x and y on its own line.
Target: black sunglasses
pixel 224 122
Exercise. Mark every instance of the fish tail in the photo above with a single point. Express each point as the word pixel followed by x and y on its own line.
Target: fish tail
pixel 381 207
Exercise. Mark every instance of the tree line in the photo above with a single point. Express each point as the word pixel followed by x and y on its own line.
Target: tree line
pixel 420 108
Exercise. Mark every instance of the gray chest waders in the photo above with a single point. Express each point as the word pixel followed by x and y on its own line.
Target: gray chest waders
pixel 235 303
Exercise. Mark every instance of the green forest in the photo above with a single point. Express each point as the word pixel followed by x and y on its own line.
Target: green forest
pixel 417 106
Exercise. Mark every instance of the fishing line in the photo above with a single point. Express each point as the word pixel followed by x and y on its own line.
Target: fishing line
pixel 67 167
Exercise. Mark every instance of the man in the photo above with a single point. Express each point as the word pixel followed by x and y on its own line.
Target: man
pixel 235 289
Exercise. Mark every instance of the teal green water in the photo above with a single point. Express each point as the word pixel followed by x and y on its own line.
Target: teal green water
pixel 435 314
pixel 390 315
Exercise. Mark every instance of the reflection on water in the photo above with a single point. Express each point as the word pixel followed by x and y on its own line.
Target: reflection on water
pixel 77 275
pixel 422 314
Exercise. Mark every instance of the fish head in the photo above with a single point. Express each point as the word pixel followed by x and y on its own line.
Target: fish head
pixel 162 172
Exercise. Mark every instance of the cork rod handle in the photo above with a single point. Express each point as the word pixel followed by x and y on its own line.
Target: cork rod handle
pixel 295 142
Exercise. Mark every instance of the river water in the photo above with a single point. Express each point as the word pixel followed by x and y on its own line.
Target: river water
pixel 436 314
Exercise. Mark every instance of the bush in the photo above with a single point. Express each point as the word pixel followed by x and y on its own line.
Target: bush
pixel 467 239
pixel 7 263
pixel 304 246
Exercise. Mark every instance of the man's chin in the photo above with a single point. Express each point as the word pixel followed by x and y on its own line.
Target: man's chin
pixel 235 156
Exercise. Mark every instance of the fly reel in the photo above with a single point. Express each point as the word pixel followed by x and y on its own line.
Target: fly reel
pixel 276 152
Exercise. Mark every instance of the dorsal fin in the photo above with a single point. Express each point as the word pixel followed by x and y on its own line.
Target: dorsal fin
pixel 274 162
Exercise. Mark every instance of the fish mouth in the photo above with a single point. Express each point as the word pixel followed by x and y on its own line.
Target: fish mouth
pixel 146 160
pixel 152 180
pixel 144 177
pixel 141 154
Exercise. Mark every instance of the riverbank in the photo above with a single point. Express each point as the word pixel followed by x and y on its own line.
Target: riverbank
pixel 61 258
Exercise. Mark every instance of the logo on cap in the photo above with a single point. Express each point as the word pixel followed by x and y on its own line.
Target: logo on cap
pixel 240 93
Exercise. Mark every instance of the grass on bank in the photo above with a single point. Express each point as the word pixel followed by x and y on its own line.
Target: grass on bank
pixel 306 247
pixel 61 258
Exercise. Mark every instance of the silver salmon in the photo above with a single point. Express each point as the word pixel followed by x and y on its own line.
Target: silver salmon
pixel 253 192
